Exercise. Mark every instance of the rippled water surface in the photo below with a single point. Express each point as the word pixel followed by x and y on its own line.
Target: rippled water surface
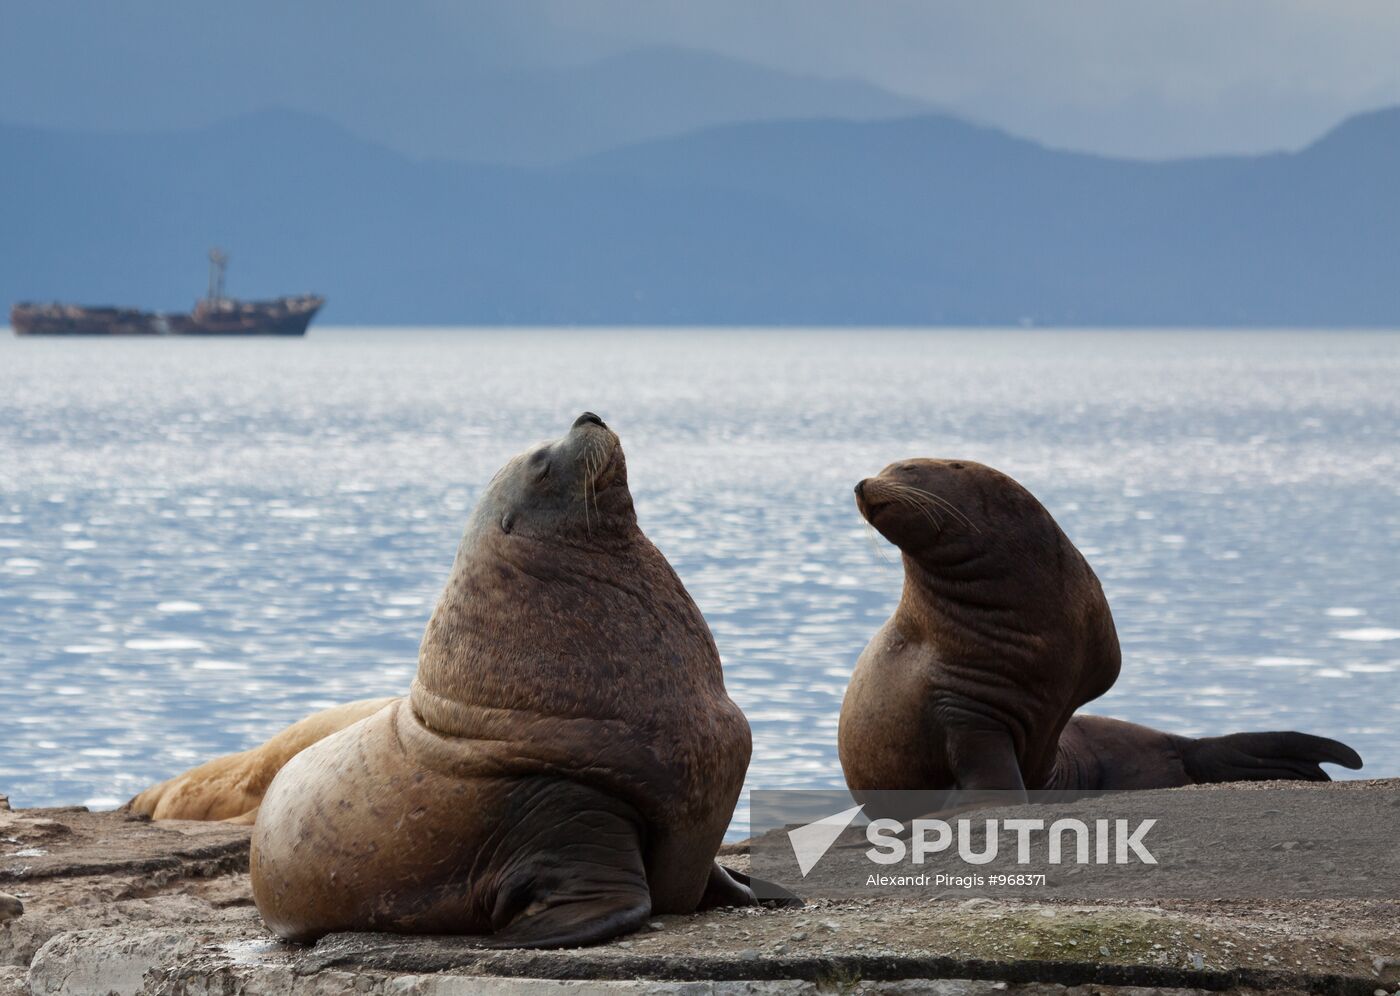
pixel 201 542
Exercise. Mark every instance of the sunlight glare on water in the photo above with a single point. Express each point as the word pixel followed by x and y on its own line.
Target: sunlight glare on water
pixel 202 541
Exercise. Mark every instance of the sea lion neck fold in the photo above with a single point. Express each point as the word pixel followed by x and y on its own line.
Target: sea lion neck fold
pixel 566 655
pixel 557 599
pixel 552 558
pixel 969 594
pixel 978 549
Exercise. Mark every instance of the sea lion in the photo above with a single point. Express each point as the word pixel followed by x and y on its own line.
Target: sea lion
pixel 1001 633
pixel 231 787
pixel 567 759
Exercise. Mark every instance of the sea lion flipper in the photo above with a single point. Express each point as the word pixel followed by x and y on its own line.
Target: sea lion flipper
pixel 584 885
pixel 575 917
pixel 727 887
pixel 981 753
pixel 246 819
pixel 1285 756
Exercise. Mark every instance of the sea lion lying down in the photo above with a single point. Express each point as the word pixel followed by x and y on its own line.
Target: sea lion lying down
pixel 231 787
pixel 1002 632
pixel 567 760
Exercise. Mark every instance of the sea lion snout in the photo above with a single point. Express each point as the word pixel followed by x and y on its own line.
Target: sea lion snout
pixel 588 418
pixel 870 497
pixel 874 494
pixel 922 505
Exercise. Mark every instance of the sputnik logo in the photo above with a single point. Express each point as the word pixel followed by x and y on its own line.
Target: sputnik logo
pixel 811 842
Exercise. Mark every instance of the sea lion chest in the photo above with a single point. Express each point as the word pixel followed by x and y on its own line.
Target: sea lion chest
pixel 917 679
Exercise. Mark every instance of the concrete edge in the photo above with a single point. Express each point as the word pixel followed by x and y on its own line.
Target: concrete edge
pixel 555 966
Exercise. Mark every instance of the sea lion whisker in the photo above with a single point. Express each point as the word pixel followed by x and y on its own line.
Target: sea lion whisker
pixel 930 513
pixel 585 459
pixel 944 502
pixel 587 483
pixel 870 533
pixel 913 498
pixel 918 506
pixel 596 451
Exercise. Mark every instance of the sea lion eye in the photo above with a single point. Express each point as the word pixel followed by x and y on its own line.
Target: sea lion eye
pixel 542 473
pixel 507 521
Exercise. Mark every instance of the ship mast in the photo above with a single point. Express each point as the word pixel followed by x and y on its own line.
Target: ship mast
pixel 218 262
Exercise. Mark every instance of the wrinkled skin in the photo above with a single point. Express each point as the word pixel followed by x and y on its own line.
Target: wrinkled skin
pixel 567 760
pixel 1001 633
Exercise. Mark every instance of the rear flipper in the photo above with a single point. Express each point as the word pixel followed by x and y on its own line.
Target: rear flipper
pixel 727 887
pixel 1257 757
pixel 1099 754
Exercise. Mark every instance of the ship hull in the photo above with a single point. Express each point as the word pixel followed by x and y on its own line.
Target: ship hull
pixel 285 316
pixel 72 321
pixel 288 316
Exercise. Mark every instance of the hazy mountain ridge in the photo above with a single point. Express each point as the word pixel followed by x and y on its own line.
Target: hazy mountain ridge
pixel 552 116
pixel 922 220
pixel 432 100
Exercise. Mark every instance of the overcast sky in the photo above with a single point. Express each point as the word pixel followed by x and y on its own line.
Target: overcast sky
pixel 1138 77
pixel 1119 76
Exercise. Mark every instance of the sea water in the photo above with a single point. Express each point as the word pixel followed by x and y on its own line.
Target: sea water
pixel 203 541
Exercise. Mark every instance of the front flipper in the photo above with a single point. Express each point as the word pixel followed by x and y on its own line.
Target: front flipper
pixel 564 921
pixel 1254 757
pixel 576 882
pixel 981 753
pixel 727 887
pixel 583 905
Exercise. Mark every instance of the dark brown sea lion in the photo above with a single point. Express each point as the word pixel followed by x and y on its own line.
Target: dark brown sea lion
pixel 567 760
pixel 231 787
pixel 1002 632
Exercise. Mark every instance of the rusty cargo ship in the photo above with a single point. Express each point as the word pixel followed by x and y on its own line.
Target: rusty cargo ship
pixel 215 314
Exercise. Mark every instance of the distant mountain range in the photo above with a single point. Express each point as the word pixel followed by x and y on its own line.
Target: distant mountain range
pixel 441 97
pixel 549 116
pixel 912 220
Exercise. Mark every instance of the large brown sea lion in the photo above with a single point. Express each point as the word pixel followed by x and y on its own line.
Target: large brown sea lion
pixel 1001 633
pixel 567 760
pixel 231 787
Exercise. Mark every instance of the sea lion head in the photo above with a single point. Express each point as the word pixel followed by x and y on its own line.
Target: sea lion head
pixel 949 512
pixel 558 606
pixel 979 547
pixel 570 490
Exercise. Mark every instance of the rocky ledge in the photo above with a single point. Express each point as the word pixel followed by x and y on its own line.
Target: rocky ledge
pixel 104 904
